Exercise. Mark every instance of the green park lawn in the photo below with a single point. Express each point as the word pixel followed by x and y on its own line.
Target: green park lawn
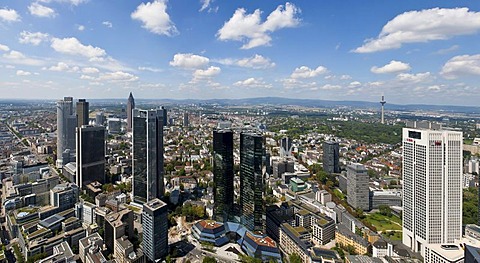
pixel 383 223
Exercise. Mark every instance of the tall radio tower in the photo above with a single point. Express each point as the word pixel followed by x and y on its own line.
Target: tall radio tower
pixel 383 106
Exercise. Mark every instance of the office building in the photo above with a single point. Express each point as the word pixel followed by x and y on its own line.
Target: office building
pixel 66 123
pixel 252 169
pixel 472 254
pixel 223 192
pixel 286 147
pixel 357 187
pixel 90 155
pixel 331 155
pixel 155 229
pixel 130 107
pixel 82 112
pixel 147 154
pixel 165 116
pixel 99 119
pixel 117 225
pixel 185 119
pixel 432 187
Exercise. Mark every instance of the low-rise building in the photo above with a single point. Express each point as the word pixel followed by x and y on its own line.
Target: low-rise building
pixel 295 240
pixel 344 237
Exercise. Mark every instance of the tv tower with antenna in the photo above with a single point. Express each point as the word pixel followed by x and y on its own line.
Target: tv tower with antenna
pixel 383 108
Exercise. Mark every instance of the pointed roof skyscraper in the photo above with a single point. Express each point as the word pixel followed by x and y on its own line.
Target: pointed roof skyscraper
pixel 130 107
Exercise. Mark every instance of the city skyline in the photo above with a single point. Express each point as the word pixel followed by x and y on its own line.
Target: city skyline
pixel 236 49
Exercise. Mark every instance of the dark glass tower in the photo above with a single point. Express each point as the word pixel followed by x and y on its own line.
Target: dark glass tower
pixel 252 169
pixel 223 194
pixel 82 112
pixel 90 155
pixel 147 155
pixel 130 107
pixel 331 162
pixel 165 118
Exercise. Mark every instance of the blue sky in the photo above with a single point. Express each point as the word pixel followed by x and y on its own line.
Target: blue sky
pixel 410 51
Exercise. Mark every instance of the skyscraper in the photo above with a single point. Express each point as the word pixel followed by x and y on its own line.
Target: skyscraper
pixel 82 112
pixel 357 187
pixel 185 119
pixel 252 169
pixel 155 230
pixel 432 190
pixel 223 174
pixel 66 123
pixel 90 155
pixel 147 155
pixel 286 147
pixel 130 107
pixel 165 117
pixel 331 156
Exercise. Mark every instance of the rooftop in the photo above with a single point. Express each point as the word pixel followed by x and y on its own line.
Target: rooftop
pixel 262 241
pixel 155 204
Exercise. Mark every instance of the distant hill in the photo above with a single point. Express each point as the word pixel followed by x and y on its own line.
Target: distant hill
pixel 279 101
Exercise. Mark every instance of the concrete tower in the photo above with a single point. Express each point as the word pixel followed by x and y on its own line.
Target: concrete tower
pixel 383 108
pixel 66 124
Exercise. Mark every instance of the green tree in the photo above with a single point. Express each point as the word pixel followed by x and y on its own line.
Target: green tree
pixel 209 260
pixel 385 210
pixel 294 258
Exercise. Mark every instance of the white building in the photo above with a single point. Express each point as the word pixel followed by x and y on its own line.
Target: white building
pixel 432 190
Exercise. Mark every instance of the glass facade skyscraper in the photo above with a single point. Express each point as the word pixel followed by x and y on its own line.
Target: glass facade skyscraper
pixel 82 112
pixel 223 193
pixel 331 157
pixel 147 155
pixel 66 123
pixel 90 155
pixel 252 170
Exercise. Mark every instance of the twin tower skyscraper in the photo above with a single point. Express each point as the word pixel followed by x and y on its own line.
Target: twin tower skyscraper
pixel 251 208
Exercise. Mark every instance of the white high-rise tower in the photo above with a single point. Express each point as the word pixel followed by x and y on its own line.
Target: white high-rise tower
pixel 432 187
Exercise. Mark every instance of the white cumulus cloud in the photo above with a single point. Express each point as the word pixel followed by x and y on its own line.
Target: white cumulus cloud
pixel 90 70
pixel 250 29
pixel 252 83
pixel 72 2
pixel 392 67
pixel 81 27
pixel 72 46
pixel 414 78
pixel 63 67
pixel 304 72
pixel 17 57
pixel 39 10
pixel 4 48
pixel 205 74
pixel 9 15
pixel 151 69
pixel 107 24
pixel 155 18
pixel 23 73
pixel 461 66
pixel 423 26
pixel 32 38
pixel 255 62
pixel 118 76
pixel 189 60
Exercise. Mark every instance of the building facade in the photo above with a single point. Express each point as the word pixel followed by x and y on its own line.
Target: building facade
pixel 432 190
pixel 252 169
pixel 82 112
pixel 66 123
pixel 331 157
pixel 90 158
pixel 155 230
pixel 147 154
pixel 130 107
pixel 223 192
pixel 357 187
